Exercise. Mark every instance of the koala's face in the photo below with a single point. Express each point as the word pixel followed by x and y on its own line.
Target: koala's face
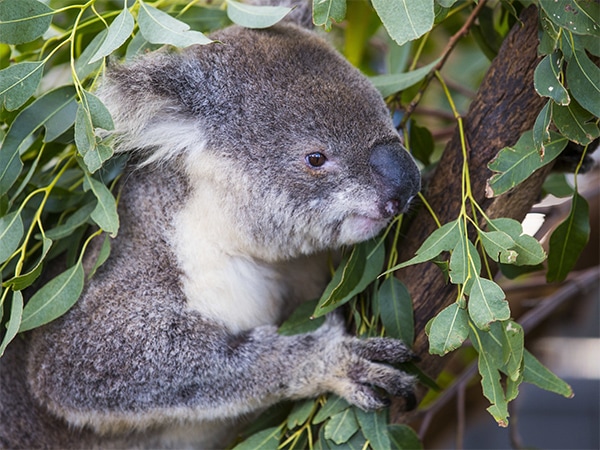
pixel 300 141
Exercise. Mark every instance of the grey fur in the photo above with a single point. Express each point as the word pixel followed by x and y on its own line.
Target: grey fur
pixel 220 133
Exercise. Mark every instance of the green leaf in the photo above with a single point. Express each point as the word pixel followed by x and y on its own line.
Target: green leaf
pixel 342 426
pixel 55 111
pixel 448 330
pixel 300 413
pixel 11 232
pixel 575 123
pixel 374 428
pixel 332 406
pixel 405 20
pixel 515 164
pixel 570 15
pixel 158 27
pixel 513 346
pixel 568 240
pixel 535 373
pixel 422 144
pixel 375 254
pixel 396 310
pixel 12 326
pixel 265 440
pixel 403 437
pixel 105 213
pixel 556 184
pixel 23 20
pixel 443 239
pixel 102 256
pixel 325 12
pixel 546 79
pixel 487 303
pixel 351 274
pixel 19 82
pixel 73 222
pixel 392 83
pixel 490 382
pixel 254 16
pixel 301 320
pixel 118 32
pixel 54 299
pixel 499 246
pixel 465 262
pixel 22 281
pixel 83 67
pixel 583 78
pixel 541 128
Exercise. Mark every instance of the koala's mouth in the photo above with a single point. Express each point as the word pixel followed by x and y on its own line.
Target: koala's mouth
pixel 360 227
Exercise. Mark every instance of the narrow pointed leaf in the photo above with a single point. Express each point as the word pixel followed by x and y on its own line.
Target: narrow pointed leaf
pixel 14 321
pixel 404 437
pixel 396 310
pixel 105 212
pixel 118 32
pixel 25 280
pixel 54 299
pixel 265 440
pixel 332 406
pixel 541 128
pixel 583 77
pixel 392 83
pixel 11 232
pixel 568 240
pixel 534 372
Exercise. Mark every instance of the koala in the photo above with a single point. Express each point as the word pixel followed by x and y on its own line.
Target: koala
pixel 251 159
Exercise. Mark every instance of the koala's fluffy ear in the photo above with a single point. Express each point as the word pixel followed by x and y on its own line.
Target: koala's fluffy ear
pixel 301 13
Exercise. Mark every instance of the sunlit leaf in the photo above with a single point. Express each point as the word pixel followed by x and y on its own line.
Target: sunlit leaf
pixel 23 20
pixel 568 240
pixel 405 20
pixel 158 27
pixel 118 32
pixel 54 299
pixel 83 67
pixel 254 16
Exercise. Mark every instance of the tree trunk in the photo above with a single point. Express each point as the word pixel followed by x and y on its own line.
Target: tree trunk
pixel 505 107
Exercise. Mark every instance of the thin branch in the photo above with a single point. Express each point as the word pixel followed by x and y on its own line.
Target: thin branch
pixel 445 54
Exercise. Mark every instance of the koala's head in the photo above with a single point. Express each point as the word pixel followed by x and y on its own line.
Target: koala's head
pixel 297 144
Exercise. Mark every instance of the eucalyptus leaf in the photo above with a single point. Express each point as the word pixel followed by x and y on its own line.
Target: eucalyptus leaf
pixel 392 83
pixel 529 250
pixel 405 20
pixel 73 222
pixel 373 425
pixel 300 413
pixel 255 16
pixel 396 310
pixel 403 437
pixel 583 77
pixel 568 240
pixel 54 299
pixel 19 82
pixel 443 239
pixel 541 128
pixel 515 164
pixel 352 272
pixel 575 123
pixel 342 426
pixel 118 32
pixel 12 326
pixel 158 27
pixel 448 330
pixel 332 406
pixel 535 373
pixel 105 213
pixel 556 184
pixel 570 15
pixel 513 345
pixel 83 67
pixel 325 12
pixel 486 303
pixel 11 233
pixel 546 79
pixel 465 262
pixel 499 246
pixel 55 111
pixel 23 21
pixel 267 439
pixel 102 256
pixel 25 280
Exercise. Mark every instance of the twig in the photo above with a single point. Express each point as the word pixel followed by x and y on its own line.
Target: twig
pixel 445 54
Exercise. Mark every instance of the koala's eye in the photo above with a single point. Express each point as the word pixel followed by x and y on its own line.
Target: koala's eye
pixel 316 159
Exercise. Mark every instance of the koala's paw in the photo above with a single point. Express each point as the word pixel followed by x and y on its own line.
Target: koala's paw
pixel 368 379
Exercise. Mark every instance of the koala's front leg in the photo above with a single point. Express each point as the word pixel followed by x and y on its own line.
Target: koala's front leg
pixel 355 369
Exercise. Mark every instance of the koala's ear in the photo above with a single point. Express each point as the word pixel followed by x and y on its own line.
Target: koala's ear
pixel 301 13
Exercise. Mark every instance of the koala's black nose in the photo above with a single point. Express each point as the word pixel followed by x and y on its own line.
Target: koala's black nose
pixel 397 175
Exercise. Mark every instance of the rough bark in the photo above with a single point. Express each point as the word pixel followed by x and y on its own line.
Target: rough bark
pixel 505 107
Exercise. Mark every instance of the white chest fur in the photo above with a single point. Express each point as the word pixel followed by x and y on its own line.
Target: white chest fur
pixel 228 286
